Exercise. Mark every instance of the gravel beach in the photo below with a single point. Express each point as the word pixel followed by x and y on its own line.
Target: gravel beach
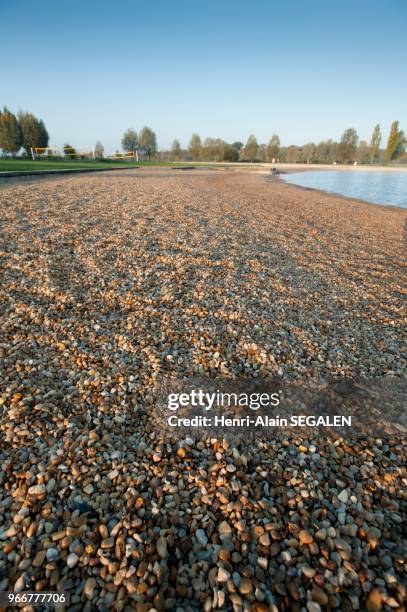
pixel 114 283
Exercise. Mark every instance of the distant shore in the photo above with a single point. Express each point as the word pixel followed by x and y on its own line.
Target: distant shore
pixel 290 168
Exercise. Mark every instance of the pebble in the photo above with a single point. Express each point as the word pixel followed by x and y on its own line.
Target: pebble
pixel 308 571
pixel 72 560
pixel 374 601
pixel 162 548
pixel 313 606
pixel 89 588
pixel 52 554
pixel 245 587
pixel 263 562
pixel 286 556
pixel 37 490
pixel 319 596
pixel 223 575
pixel 224 528
pixel 343 496
pixel 201 537
pixel 321 534
pixel 264 539
pixel 305 537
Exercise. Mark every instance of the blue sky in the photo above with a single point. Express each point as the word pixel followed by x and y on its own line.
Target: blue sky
pixel 306 70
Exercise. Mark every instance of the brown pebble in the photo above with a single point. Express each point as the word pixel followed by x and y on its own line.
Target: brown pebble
pixel 319 596
pixel 305 537
pixel 374 601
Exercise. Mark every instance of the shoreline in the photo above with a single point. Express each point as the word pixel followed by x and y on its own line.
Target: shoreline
pixel 335 194
pixel 292 168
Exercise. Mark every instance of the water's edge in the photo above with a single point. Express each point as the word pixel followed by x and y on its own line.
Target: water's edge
pixel 380 188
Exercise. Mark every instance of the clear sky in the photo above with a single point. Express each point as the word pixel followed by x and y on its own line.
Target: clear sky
pixel 226 68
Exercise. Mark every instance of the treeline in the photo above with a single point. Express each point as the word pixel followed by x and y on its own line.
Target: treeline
pixel 213 149
pixel 23 130
pixel 26 131
pixel 348 150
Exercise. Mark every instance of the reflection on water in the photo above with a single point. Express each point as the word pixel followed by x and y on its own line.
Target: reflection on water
pixel 389 188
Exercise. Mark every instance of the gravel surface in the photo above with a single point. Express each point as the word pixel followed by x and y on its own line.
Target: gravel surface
pixel 113 283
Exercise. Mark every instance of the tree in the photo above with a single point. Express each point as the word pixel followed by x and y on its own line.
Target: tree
pixel 308 153
pixel 396 143
pixel 11 138
pixel 262 153
pixel 130 140
pixel 237 145
pixel 148 142
pixel 347 145
pixel 363 153
pixel 326 151
pixel 213 149
pixel 195 147
pixel 375 144
pixel 33 130
pixel 99 150
pixel 250 150
pixel 292 154
pixel 44 136
pixel 69 151
pixel 230 153
pixel 176 150
pixel 273 148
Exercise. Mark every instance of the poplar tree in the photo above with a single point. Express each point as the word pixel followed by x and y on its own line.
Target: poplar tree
pixel 99 150
pixel 11 138
pixel 33 131
pixel 195 147
pixel 251 148
pixel 396 143
pixel 176 150
pixel 273 147
pixel 375 144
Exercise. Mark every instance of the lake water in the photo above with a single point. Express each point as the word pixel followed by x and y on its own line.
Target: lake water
pixel 389 188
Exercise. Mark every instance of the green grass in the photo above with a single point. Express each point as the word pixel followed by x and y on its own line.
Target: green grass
pixel 14 165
